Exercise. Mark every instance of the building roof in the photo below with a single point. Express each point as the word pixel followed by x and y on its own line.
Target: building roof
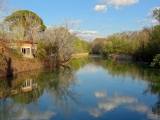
pixel 15 41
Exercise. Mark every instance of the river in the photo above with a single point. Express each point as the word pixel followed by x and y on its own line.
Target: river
pixel 90 88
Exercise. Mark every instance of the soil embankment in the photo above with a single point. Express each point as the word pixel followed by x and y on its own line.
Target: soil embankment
pixel 10 65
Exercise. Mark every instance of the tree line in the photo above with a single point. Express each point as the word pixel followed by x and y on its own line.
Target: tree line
pixel 144 44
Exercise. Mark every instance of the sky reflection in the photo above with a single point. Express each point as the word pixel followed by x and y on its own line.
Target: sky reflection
pixel 99 89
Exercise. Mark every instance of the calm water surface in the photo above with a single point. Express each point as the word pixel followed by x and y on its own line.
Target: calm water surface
pixel 92 88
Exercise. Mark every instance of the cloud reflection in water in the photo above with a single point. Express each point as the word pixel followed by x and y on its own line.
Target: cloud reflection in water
pixel 35 115
pixel 114 102
pixel 95 112
pixel 100 94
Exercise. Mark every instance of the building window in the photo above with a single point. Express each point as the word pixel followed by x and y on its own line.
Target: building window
pixel 27 83
pixel 26 51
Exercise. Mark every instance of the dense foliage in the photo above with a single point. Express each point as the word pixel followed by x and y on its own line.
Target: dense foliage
pixel 81 46
pixel 144 45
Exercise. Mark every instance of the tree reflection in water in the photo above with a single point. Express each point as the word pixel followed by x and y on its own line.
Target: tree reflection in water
pixel 60 87
pixel 154 88
pixel 14 96
pixel 136 71
pixel 19 99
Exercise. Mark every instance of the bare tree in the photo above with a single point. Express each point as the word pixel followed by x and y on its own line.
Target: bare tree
pixel 61 41
pixel 4 8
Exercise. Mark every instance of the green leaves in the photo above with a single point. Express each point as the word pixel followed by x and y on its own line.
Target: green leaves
pixel 156 60
pixel 27 19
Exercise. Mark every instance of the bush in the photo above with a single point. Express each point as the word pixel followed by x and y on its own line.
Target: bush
pixel 156 60
pixel 17 53
pixel 41 54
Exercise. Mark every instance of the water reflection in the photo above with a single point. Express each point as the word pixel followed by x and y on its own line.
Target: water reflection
pixel 115 101
pixel 90 88
pixel 22 99
pixel 21 90
pixel 60 88
pixel 142 73
pixel 105 105
pixel 154 88
pixel 100 93
pixel 139 108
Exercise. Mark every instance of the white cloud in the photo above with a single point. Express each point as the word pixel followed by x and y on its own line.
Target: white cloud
pixel 100 94
pixel 150 14
pixel 154 21
pixel 85 34
pixel 119 3
pixel 142 21
pixel 75 22
pixel 95 112
pixel 100 8
pixel 149 17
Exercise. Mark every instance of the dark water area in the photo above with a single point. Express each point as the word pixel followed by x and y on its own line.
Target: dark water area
pixel 90 88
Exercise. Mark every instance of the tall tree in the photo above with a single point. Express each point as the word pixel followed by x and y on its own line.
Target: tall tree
pixel 28 21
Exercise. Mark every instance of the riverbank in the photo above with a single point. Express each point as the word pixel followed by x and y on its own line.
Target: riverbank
pixel 79 55
pixel 9 65
pixel 120 57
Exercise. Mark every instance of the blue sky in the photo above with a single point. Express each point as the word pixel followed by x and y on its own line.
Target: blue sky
pixel 95 18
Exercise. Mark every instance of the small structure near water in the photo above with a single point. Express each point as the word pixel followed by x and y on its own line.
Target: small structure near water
pixel 27 48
